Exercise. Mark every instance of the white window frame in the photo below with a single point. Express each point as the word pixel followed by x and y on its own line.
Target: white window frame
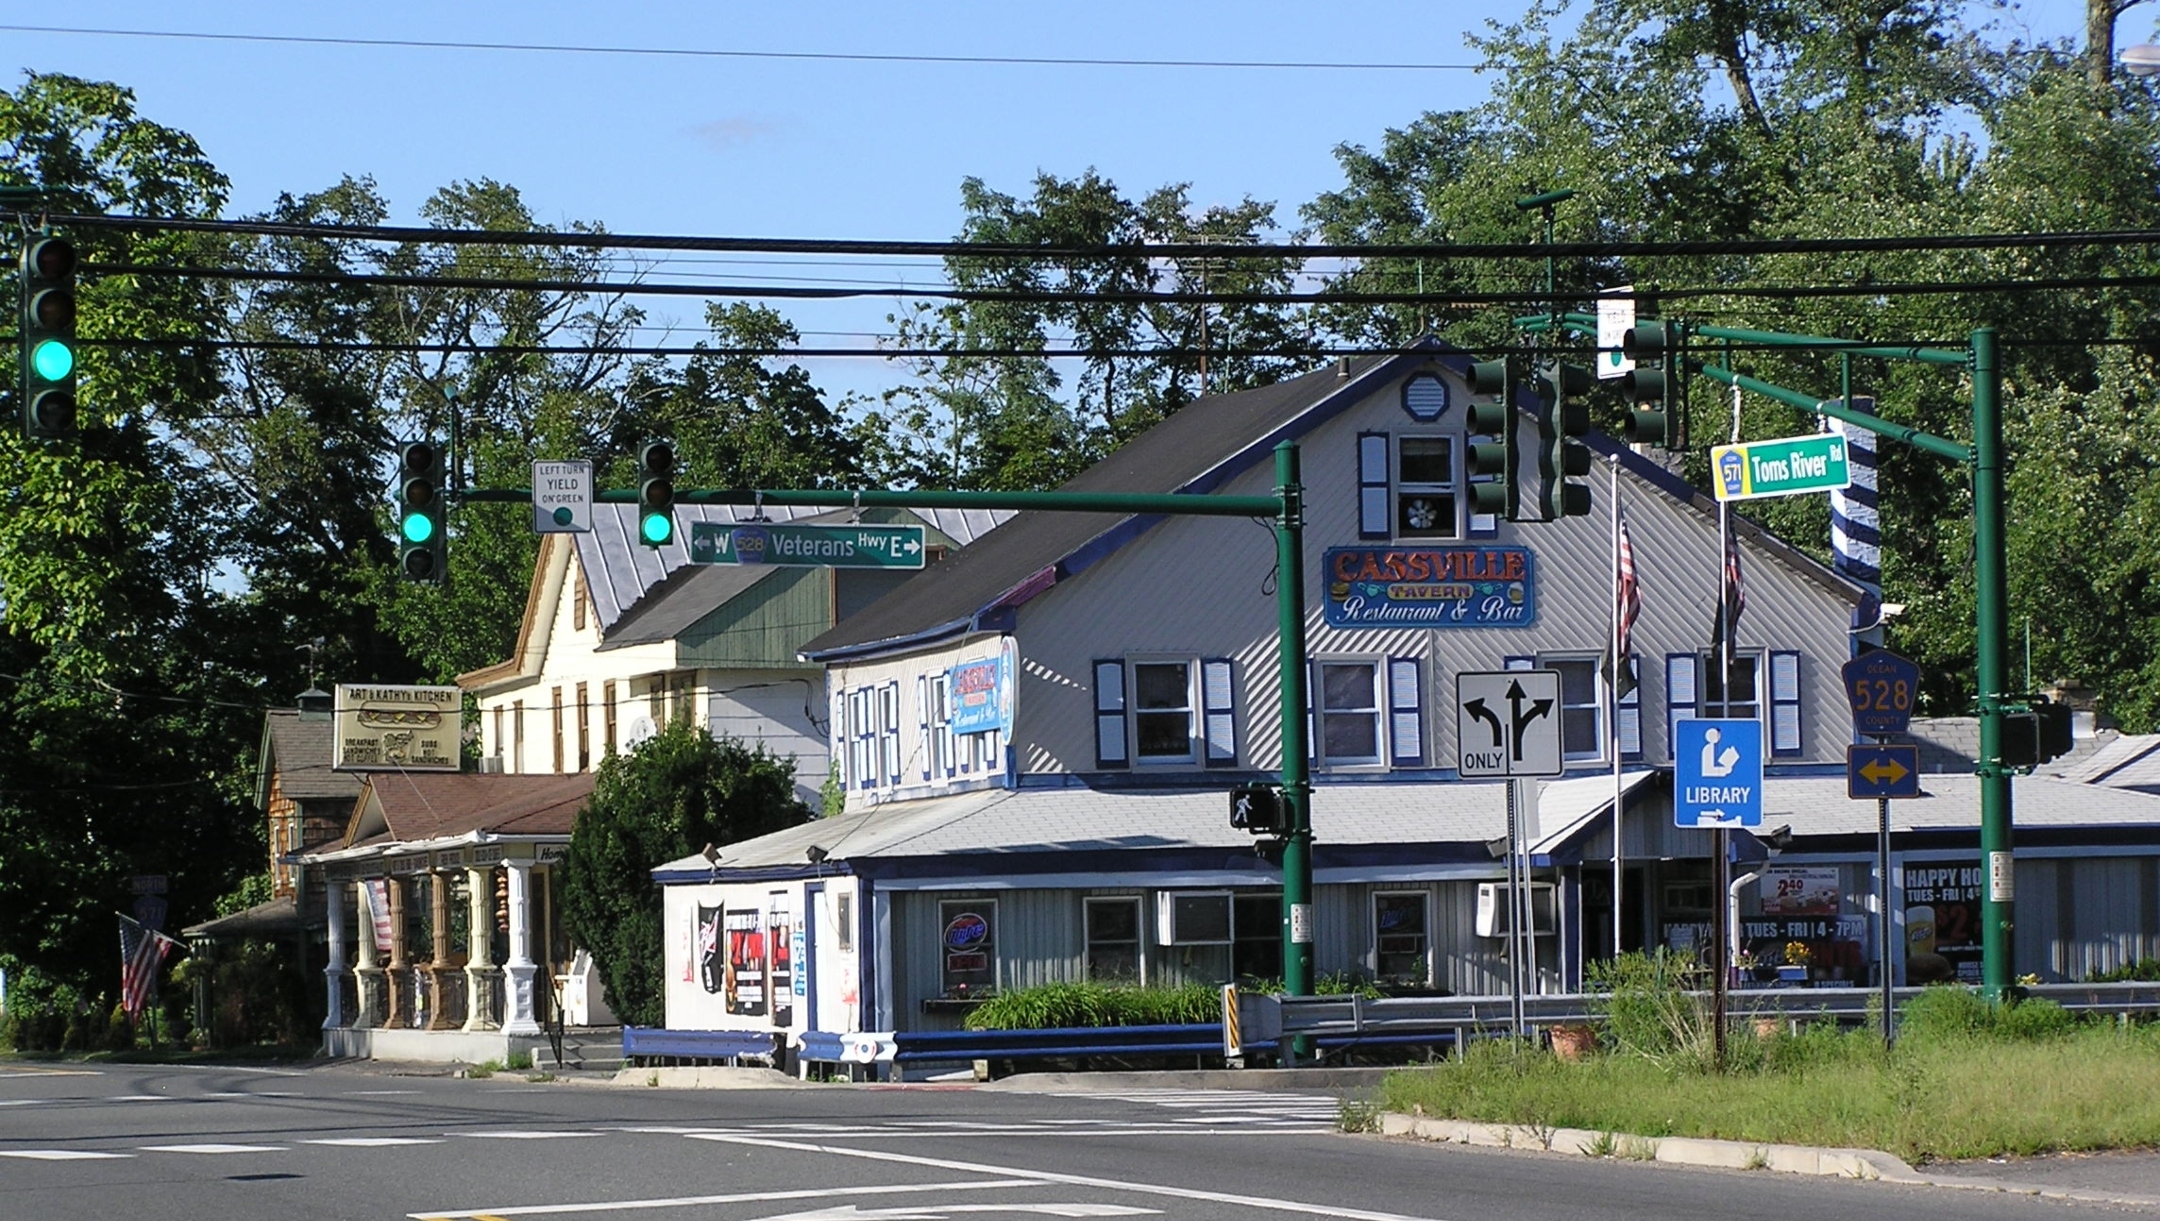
pixel 1599 694
pixel 1706 664
pixel 1139 938
pixel 1134 711
pixel 1377 711
pixel 1425 907
pixel 1453 489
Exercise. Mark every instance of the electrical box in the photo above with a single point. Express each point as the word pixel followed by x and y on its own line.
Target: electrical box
pixel 1192 917
pixel 1496 909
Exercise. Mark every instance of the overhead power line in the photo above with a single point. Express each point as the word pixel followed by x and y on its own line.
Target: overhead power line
pixel 1440 298
pixel 556 48
pixel 1229 251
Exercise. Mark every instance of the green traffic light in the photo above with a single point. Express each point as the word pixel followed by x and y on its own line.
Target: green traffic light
pixel 52 359
pixel 657 528
pixel 417 527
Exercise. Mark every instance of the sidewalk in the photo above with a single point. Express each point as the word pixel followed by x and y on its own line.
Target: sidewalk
pixel 2109 1178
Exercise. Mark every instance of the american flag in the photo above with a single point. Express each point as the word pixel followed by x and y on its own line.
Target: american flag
pixel 1735 592
pixel 1628 605
pixel 142 952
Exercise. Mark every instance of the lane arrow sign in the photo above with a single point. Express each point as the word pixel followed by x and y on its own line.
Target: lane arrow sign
pixel 1477 708
pixel 1521 721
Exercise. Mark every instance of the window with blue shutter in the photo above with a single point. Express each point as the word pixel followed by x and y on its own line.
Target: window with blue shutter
pixel 1629 720
pixel 889 722
pixel 1406 717
pixel 1372 467
pixel 1784 702
pixel 1218 708
pixel 1679 693
pixel 862 716
pixel 1110 715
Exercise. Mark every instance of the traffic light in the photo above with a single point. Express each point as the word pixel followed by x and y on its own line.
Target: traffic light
pixel 423 551
pixel 2036 734
pixel 656 493
pixel 1492 414
pixel 1259 809
pixel 1563 416
pixel 1655 394
pixel 48 338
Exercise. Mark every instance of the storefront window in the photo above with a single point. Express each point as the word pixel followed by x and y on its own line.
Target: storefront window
pixel 1400 941
pixel 1257 951
pixel 1113 939
pixel 967 940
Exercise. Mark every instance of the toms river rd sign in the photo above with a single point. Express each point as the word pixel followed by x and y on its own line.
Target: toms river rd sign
pixel 1784 467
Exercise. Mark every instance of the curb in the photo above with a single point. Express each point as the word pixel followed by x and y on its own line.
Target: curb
pixel 1863 1164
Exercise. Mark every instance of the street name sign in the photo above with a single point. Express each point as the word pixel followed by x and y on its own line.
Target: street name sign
pixel 1882 770
pixel 1507 723
pixel 1880 686
pixel 1717 773
pixel 562 496
pixel 1785 467
pixel 797 546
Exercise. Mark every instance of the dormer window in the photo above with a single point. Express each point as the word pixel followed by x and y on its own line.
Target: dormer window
pixel 1410 485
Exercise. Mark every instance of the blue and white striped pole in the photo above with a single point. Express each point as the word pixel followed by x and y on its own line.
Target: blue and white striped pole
pixel 1856 524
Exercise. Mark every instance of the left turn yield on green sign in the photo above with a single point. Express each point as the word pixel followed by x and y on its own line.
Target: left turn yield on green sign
pixel 562 496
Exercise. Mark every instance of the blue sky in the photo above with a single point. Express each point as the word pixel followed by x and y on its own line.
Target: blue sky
pixel 744 147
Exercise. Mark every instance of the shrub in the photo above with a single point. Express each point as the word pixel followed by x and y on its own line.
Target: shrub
pixel 1644 1002
pixel 1055 1006
pixel 2144 970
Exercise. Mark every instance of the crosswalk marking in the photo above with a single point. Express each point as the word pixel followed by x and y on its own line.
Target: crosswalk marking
pixel 214 1148
pixel 60 1155
pixel 373 1142
pixel 525 1135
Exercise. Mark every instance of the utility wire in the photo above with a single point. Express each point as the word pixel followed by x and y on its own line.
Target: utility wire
pixel 1233 251
pixel 1050 61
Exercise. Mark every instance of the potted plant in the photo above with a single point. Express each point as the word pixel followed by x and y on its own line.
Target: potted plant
pixel 1795 968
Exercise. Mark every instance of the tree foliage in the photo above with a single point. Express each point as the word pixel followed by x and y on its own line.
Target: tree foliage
pixel 677 792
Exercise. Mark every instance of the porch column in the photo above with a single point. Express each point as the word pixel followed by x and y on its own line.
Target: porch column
pixel 442 975
pixel 334 970
pixel 367 970
pixel 399 966
pixel 518 970
pixel 480 961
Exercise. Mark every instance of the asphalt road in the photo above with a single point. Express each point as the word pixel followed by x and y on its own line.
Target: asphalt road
pixel 227 1144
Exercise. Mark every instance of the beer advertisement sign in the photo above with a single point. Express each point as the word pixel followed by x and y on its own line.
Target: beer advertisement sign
pixel 411 729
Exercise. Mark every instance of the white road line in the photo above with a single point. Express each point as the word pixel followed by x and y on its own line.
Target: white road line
pixel 215 1148
pixel 1058 1133
pixel 524 1135
pixel 60 1155
pixel 1078 1180
pixel 376 1093
pixel 50 1072
pixel 373 1142
pixel 140 1098
pixel 22 1102
pixel 746 1197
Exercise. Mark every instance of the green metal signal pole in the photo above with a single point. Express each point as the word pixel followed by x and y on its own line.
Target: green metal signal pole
pixel 1286 507
pixel 1991 594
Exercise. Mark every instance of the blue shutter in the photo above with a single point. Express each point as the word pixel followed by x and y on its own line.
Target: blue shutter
pixel 1784 702
pixel 1110 715
pixel 1372 468
pixel 865 719
pixel 1218 707
pixel 922 716
pixel 1680 693
pixel 889 721
pixel 1406 716
pixel 1629 714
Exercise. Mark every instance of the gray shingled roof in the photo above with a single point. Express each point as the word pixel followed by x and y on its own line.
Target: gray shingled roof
pixel 620 571
pixel 1169 457
pixel 1819 806
pixel 1078 820
pixel 2130 761
pixel 300 751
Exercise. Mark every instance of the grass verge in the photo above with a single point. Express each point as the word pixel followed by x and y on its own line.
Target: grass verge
pixel 1943 1093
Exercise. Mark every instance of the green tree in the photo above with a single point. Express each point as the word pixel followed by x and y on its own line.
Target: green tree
pixel 677 792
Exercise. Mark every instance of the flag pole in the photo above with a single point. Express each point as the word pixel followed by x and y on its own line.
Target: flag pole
pixel 1612 693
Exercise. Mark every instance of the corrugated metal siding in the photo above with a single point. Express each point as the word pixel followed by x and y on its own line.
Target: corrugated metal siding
pixel 1198 587
pixel 766 626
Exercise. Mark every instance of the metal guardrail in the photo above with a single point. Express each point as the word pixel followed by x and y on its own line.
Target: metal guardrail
pixel 1346 1021
pixel 1203 1038
pixel 657 1043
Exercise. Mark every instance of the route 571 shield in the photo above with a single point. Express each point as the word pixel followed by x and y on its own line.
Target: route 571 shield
pixel 1507 723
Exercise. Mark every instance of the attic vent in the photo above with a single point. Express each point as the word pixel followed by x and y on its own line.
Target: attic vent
pixel 1425 397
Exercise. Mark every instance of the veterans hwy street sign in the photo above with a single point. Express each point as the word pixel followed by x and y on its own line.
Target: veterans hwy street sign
pixel 1717 773
pixel 1882 771
pixel 792 546
pixel 1880 686
pixel 1507 723
pixel 1784 467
